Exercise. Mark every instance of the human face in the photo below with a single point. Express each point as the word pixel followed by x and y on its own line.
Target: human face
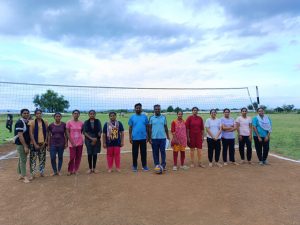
pixel 112 117
pixel 195 112
pixel 179 115
pixel 157 110
pixel 138 109
pixel 25 115
pixel 213 114
pixel 244 112
pixel 57 118
pixel 75 115
pixel 226 114
pixel 261 112
pixel 38 115
pixel 92 115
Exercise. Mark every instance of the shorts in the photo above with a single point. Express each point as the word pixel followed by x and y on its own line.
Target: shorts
pixel 195 140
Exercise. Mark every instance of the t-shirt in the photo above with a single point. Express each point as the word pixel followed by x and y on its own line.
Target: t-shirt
pixel 115 134
pixel 57 134
pixel 19 127
pixel 244 128
pixel 139 126
pixel 214 126
pixel 158 126
pixel 75 129
pixel 194 124
pixel 227 122
pixel 260 130
pixel 31 123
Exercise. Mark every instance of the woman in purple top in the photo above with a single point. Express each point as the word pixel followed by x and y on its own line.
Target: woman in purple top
pixel 57 142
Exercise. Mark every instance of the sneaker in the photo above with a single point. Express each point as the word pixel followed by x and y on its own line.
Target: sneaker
pixel 210 164
pixel 134 169
pixel 201 165
pixel 184 167
pixel 175 168
pixel 219 164
pixel 145 169
pixel 225 164
pixel 261 163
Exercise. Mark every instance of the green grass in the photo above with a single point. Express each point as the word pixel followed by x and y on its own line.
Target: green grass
pixel 285 139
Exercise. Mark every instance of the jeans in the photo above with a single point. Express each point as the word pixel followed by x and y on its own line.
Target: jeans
pixel 56 150
pixel 159 145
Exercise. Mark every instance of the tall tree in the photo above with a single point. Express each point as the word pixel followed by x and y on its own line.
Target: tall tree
pixel 170 109
pixel 51 102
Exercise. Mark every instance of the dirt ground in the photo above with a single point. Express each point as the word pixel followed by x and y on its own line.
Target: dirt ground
pixel 245 194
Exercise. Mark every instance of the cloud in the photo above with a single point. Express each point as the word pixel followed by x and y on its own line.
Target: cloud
pixel 92 24
pixel 238 55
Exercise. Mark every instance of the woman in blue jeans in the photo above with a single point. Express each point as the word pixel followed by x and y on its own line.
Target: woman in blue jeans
pixel 57 142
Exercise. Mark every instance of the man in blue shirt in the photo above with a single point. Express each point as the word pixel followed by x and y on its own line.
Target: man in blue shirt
pixel 158 132
pixel 138 127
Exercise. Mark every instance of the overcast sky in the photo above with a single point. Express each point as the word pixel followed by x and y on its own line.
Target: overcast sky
pixel 155 43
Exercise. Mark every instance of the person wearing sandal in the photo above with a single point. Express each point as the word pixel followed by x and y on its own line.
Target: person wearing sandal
pixel 74 133
pixel 179 140
pixel 195 130
pixel 213 129
pixel 262 129
pixel 22 141
pixel 92 131
pixel 57 142
pixel 228 137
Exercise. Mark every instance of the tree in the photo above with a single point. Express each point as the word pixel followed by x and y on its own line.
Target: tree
pixel 278 109
pixel 255 105
pixel 177 109
pixel 51 102
pixel 170 109
pixel 288 108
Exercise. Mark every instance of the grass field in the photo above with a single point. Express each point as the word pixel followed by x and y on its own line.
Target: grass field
pixel 285 139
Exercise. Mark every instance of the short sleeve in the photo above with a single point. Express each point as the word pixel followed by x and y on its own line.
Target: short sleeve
pixel 121 128
pixel 150 120
pixel 207 125
pixel 173 126
pixel 187 122
pixel 19 126
pixel 105 128
pixel 130 123
pixel 68 125
pixel 146 120
pixel 254 121
pixel 85 126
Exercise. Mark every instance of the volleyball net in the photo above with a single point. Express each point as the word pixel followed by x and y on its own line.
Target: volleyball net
pixel 14 96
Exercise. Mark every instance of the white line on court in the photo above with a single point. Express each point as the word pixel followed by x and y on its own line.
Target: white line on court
pixel 7 156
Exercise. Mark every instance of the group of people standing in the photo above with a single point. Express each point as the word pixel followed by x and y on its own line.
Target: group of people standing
pixel 35 137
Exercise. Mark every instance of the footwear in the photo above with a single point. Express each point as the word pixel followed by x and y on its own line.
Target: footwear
pixel 89 171
pixel 53 174
pixel 184 167
pixel 250 163
pixel 145 169
pixel 261 163
pixel 26 180
pixel 219 164
pixel 134 169
pixel 20 177
pixel 175 168
pixel 210 164
pixel 201 165
pixel 95 171
pixel 31 177
pixel 266 162
pixel 225 164
pixel 235 163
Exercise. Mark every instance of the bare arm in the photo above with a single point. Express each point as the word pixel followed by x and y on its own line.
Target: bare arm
pixel 69 137
pixel 149 133
pixel 130 134
pixel 22 140
pixel 104 140
pixel 31 134
pixel 122 138
pixel 167 131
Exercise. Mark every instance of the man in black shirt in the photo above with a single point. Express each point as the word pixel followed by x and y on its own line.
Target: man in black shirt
pixel 9 122
pixel 22 141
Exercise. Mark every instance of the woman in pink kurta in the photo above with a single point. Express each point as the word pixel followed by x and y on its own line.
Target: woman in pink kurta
pixel 74 132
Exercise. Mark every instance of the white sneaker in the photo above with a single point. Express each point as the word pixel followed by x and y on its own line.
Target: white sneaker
pixel 184 167
pixel 225 163
pixel 174 168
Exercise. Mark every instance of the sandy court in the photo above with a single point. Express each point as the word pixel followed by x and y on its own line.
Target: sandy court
pixel 245 194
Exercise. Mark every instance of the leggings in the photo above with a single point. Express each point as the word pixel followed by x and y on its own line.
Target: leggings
pixel 92 159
